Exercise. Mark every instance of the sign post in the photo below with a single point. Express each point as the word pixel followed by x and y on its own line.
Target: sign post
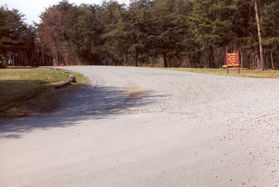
pixel 232 60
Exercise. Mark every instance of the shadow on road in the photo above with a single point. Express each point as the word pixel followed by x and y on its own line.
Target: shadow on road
pixel 85 103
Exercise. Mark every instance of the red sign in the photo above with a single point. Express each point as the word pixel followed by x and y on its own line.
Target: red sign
pixel 232 59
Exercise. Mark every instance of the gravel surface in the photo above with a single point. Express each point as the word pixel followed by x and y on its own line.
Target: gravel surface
pixel 149 127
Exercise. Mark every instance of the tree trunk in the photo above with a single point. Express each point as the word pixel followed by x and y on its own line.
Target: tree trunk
pixel 211 57
pixel 136 58
pixel 262 64
pixel 253 61
pixel 136 61
pixel 258 60
pixel 165 61
pixel 272 60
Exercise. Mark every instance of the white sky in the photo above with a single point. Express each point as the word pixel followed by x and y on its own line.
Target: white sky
pixel 33 8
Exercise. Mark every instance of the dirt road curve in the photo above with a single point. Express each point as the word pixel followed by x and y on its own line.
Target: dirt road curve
pixel 149 127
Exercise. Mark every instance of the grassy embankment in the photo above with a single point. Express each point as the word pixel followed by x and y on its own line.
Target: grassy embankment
pixel 17 84
pixel 233 72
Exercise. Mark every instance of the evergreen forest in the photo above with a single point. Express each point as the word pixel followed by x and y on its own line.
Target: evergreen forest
pixel 161 33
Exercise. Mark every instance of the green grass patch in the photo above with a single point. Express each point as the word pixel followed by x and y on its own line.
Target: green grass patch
pixel 233 72
pixel 17 84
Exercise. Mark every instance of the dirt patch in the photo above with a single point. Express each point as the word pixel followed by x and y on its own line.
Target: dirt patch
pixel 134 93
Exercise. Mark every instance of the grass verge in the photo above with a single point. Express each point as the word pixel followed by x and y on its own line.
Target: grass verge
pixel 17 84
pixel 233 72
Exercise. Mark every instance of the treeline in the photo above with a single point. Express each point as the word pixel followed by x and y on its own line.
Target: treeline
pixel 169 33
pixel 14 36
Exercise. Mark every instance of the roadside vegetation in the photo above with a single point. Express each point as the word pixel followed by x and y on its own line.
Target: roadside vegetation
pixel 32 90
pixel 232 72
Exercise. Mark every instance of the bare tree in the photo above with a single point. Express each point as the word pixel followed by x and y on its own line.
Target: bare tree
pixel 262 63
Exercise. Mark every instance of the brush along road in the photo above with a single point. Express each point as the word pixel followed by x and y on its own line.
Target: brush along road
pixel 149 127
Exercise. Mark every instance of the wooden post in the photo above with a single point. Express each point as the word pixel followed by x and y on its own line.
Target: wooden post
pixel 238 62
pixel 241 57
pixel 227 63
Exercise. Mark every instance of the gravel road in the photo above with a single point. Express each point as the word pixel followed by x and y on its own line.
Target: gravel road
pixel 149 127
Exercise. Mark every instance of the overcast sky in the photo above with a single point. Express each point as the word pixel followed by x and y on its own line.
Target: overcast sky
pixel 33 8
